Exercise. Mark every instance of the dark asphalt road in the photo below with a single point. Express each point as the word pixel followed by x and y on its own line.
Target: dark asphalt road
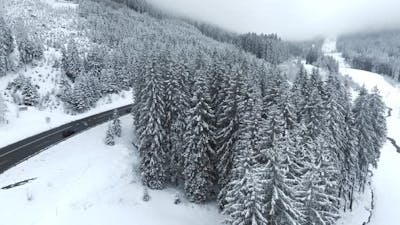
pixel 15 153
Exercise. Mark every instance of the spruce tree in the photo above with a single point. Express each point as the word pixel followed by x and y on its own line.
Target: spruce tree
pixel 281 203
pixel 378 117
pixel 150 129
pixel 300 90
pixel 71 61
pixel 243 198
pixel 349 147
pixel 198 168
pixel 6 47
pixel 30 94
pixel 283 175
pixel 110 135
pixel 116 124
pixel 228 125
pixel 320 205
pixel 3 110
pixel 367 154
pixel 335 128
pixel 177 102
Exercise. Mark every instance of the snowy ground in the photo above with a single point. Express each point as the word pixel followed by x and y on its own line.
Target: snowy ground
pixel 385 182
pixel 83 181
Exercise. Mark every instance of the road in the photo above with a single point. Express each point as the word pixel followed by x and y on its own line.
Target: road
pixel 19 151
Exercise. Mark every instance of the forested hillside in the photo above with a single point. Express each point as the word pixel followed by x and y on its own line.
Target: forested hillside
pixel 212 113
pixel 377 52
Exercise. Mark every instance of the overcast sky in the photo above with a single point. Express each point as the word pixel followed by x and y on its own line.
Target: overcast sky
pixel 291 19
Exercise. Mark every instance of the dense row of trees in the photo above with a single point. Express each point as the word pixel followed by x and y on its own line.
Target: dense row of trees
pixel 268 47
pixel 264 46
pixel 224 125
pixel 373 52
pixel 233 130
pixel 316 57
pixel 122 37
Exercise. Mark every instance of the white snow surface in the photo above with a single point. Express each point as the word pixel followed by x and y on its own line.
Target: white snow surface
pixel 83 181
pixel 385 181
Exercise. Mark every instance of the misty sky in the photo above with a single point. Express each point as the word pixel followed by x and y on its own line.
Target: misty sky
pixel 291 19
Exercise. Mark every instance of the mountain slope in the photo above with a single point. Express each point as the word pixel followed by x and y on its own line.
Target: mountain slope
pixel 384 181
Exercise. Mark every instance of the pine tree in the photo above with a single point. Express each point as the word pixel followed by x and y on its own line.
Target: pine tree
pixel 216 76
pixel 94 61
pixel 228 126
pixel 362 123
pixel 3 111
pixel 335 128
pixel 30 94
pixel 281 172
pixel 300 90
pixel 71 61
pixel 179 104
pixel 6 47
pixel 243 199
pixel 110 135
pixel 349 147
pixel 85 93
pixel 30 48
pixel 116 124
pixel 320 205
pixel 313 116
pixel 378 117
pixel 150 129
pixel 198 169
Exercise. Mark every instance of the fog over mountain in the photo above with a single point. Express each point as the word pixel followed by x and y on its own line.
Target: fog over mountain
pixel 291 19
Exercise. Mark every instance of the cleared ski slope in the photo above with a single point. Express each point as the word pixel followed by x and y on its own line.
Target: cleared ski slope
pixel 386 179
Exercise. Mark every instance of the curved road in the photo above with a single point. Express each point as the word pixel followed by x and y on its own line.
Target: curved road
pixel 15 153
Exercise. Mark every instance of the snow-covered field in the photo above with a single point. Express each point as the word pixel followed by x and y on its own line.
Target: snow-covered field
pixel 385 181
pixel 83 181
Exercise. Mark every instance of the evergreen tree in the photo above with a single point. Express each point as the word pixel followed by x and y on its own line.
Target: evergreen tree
pixel 336 128
pixel 281 203
pixel 3 111
pixel 280 167
pixel 30 48
pixel 85 93
pixel 243 199
pixel 300 90
pixel 6 47
pixel 71 61
pixel 228 126
pixel 320 206
pixel 116 124
pixel 367 155
pixel 178 102
pixel 94 61
pixel 198 169
pixel 110 135
pixel 30 94
pixel 378 117
pixel 150 129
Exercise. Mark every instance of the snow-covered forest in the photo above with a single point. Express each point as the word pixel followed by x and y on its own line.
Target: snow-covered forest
pixel 377 52
pixel 214 114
